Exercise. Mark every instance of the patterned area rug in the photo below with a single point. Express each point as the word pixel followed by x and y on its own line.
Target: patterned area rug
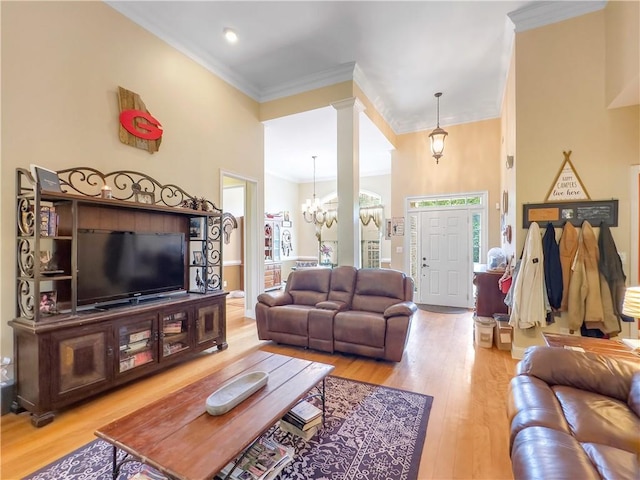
pixel 370 433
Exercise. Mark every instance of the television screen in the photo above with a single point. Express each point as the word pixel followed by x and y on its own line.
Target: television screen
pixel 114 265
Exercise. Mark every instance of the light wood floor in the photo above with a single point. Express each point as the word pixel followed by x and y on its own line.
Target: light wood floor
pixel 467 436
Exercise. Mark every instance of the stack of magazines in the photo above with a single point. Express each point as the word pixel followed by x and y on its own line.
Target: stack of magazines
pixel 263 461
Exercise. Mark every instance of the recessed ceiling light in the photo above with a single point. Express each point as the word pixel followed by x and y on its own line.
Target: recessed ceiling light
pixel 230 35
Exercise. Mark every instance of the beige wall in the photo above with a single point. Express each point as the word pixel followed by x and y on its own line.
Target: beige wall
pixel 62 63
pixel 562 105
pixel 622 53
pixel 508 147
pixel 471 163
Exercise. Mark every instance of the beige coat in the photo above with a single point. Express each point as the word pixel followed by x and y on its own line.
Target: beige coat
pixel 568 248
pixel 589 299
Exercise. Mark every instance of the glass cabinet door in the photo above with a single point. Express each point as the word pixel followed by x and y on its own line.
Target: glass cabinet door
pixel 137 344
pixel 208 323
pixel 174 332
pixel 276 242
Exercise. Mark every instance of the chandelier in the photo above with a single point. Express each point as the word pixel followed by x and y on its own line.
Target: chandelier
pixel 438 135
pixel 312 210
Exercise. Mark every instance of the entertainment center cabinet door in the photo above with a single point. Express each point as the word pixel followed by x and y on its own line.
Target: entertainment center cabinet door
pixel 137 342
pixel 210 324
pixel 82 362
pixel 174 332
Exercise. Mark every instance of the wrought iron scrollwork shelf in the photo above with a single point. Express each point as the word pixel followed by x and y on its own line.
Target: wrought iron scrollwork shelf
pixel 126 186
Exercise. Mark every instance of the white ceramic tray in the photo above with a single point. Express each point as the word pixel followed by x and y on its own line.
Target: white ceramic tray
pixel 234 392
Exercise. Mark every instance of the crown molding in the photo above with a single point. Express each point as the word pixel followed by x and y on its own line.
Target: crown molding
pixel 324 78
pixel 543 13
pixel 130 10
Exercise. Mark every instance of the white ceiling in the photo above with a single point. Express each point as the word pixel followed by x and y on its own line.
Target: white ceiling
pixel 399 52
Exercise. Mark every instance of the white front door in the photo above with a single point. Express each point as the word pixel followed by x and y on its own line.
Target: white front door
pixel 445 264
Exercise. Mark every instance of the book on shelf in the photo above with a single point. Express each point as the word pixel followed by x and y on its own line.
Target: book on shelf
pixel 48 221
pixel 305 411
pixel 172 327
pixel 137 346
pixel 304 434
pixel 263 461
pixel 137 336
pixel 304 426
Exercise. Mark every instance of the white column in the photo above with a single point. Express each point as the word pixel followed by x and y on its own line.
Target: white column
pixel 348 157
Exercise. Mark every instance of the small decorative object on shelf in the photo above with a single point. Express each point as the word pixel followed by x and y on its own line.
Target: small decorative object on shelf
pixel 106 191
pixel 198 259
pixel 48 302
pixel 195 227
pixel 145 197
pixel 195 203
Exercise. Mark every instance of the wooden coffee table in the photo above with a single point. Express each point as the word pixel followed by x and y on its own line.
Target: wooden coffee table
pixel 613 348
pixel 178 437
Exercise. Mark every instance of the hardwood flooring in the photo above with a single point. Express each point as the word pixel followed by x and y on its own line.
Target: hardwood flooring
pixel 467 436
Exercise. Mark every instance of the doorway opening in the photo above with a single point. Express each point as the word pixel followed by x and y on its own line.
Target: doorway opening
pixel 239 257
pixel 446 235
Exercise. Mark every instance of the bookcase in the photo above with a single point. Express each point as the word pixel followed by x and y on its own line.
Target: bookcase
pixel 66 352
pixel 272 252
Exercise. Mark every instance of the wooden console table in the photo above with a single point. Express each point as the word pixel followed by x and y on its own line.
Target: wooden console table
pixel 178 437
pixel 613 348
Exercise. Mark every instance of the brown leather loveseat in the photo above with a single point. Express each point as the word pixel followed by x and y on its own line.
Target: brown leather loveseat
pixel 574 415
pixel 366 312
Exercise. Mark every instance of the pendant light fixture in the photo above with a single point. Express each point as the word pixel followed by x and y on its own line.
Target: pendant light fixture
pixel 312 210
pixel 438 135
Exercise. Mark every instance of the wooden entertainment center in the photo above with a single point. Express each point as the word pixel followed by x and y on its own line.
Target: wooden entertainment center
pixel 66 351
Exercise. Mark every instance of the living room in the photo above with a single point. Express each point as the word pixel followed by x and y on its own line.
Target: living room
pixel 62 65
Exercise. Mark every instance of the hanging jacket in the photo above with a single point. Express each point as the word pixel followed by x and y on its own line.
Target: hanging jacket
pixel 593 315
pixel 528 302
pixel 552 267
pixel 568 248
pixel 611 267
pixel 577 296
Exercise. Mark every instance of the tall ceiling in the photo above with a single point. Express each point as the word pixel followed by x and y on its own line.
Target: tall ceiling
pixel 399 52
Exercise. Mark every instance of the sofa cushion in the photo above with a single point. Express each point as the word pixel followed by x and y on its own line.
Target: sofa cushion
pixel 586 371
pixel 544 453
pixel 533 403
pixel 377 289
pixel 308 287
pixel 292 319
pixel 596 418
pixel 359 327
pixel 613 463
pixel 634 394
pixel 343 281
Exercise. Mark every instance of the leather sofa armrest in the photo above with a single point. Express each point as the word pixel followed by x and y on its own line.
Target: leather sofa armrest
pixel 586 371
pixel 332 305
pixel 275 300
pixel 400 309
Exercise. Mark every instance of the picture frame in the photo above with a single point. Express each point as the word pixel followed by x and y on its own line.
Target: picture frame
pixel 198 258
pixel 49 302
pixel 195 227
pixel 147 198
pixel 46 180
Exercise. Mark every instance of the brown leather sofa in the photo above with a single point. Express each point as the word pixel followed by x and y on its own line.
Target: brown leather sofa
pixel 574 415
pixel 365 312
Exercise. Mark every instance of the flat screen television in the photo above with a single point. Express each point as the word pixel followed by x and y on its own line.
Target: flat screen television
pixel 115 266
